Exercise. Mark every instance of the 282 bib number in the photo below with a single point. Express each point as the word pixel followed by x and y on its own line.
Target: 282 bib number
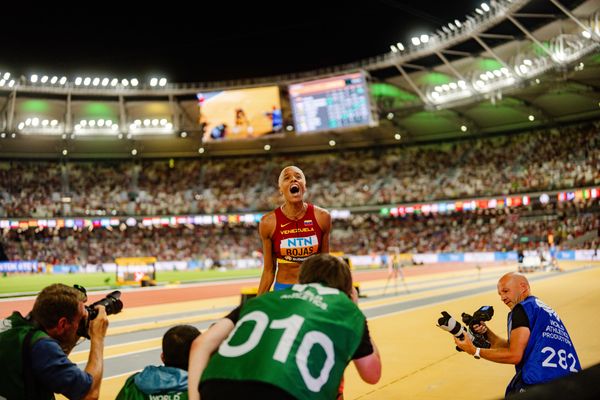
pixel 563 359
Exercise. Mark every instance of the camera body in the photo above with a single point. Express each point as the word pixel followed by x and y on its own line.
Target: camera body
pixel 112 304
pixel 449 324
pixel 485 313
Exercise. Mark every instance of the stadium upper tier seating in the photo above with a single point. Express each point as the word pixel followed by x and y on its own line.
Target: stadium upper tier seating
pixel 560 158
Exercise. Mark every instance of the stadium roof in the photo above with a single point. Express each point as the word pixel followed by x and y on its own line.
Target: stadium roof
pixel 206 46
pixel 213 40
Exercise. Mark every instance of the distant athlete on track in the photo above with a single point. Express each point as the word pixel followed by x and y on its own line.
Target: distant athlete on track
pixel 291 233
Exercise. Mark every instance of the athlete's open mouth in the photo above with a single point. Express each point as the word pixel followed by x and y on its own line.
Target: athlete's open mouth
pixel 294 189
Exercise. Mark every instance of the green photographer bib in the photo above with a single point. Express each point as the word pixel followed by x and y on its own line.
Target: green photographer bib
pixel 299 339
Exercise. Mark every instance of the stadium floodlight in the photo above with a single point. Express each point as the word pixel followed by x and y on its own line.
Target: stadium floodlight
pixel 78 81
pixel 11 83
pixel 586 34
pixel 415 41
pixel 3 135
pixel 457 23
pixel 531 118
pixel 13 135
pixel 54 80
pixel 100 122
pixel 453 85
pixel 390 116
pixel 134 82
pixel 21 126
pixel 114 127
pixel 114 82
pixel 87 81
pixel 105 81
pixel 54 122
pixel 424 38
pixel 45 122
pixel 162 82
pixel 134 152
pixel 108 122
pixel 120 136
pixel 92 123
pixel 183 134
pixel 2 82
pixel 169 125
pixel 33 78
pixel 400 46
pixel 267 147
pixel 63 80
pixel 463 128
pixel 397 136
pixel 393 48
pixel 155 122
pixel 77 127
pixel 35 121
pixel 485 7
pixel 6 75
pixel 129 136
pixel 153 82
pixel 124 82
pixel 64 136
pixel 163 122
pixel 65 152
pixel 83 122
pixel 147 122
pixel 332 143
pixel 201 150
pixel 44 79
pixel 96 81
pixel 137 122
pixel 290 128
pixel 479 11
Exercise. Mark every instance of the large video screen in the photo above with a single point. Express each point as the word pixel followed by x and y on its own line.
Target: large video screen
pixel 240 114
pixel 331 103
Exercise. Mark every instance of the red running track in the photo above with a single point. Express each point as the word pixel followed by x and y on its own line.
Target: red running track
pixel 163 295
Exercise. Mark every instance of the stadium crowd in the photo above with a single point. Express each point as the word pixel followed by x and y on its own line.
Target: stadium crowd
pixel 527 162
pixel 483 230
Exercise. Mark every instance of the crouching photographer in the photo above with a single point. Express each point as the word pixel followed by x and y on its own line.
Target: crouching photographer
pixel 34 349
pixel 538 343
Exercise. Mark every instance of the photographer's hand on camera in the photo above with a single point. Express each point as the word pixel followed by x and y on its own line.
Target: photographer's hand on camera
pixel 99 325
pixel 465 344
pixel 481 329
pixel 95 364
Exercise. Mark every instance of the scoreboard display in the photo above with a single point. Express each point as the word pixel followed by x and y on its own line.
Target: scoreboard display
pixel 332 103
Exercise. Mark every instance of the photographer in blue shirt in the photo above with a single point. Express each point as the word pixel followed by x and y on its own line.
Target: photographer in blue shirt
pixel 538 343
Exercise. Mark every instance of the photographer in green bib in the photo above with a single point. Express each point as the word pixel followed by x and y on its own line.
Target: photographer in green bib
pixel 289 344
pixel 34 348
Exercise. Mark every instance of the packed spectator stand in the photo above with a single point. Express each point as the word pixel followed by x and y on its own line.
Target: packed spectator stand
pixel 560 158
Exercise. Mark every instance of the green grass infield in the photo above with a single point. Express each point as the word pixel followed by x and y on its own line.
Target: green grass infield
pixel 20 284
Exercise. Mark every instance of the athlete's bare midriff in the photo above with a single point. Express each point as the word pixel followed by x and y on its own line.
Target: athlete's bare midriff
pixel 288 273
